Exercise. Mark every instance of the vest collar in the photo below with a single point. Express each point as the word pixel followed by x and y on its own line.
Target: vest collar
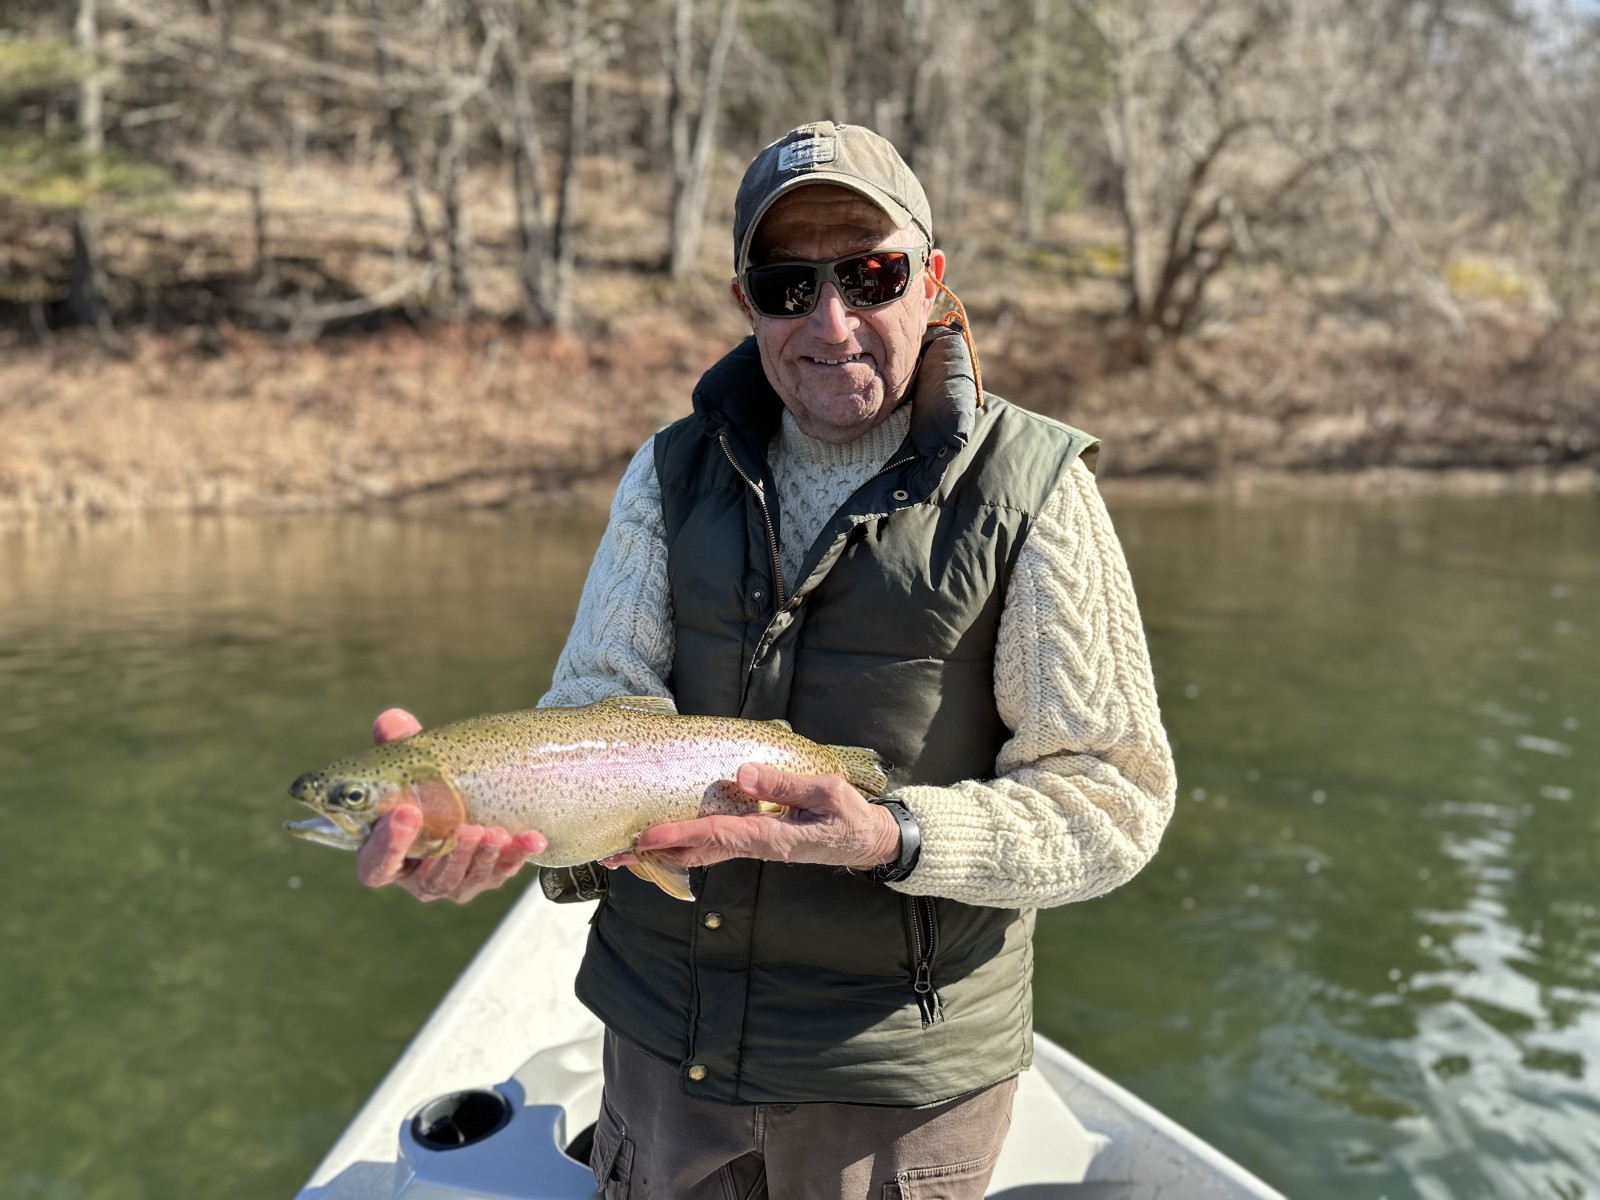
pixel 735 397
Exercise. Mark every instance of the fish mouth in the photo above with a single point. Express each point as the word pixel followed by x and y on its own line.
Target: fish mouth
pixel 329 831
pixel 331 826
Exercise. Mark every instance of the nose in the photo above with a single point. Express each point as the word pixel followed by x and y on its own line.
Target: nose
pixel 305 787
pixel 832 319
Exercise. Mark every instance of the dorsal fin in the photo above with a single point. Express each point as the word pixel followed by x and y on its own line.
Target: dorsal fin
pixel 658 705
pixel 781 724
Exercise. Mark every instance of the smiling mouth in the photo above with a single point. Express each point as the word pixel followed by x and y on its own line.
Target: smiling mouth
pixel 837 362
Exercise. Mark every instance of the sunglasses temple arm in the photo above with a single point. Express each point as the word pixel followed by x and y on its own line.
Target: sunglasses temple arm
pixel 958 318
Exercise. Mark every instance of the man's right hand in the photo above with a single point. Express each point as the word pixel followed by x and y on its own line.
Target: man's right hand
pixel 482 860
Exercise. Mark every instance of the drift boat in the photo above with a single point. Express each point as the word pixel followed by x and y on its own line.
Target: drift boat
pixel 496 1098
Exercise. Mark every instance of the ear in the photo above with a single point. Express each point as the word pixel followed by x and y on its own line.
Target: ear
pixel 744 305
pixel 934 274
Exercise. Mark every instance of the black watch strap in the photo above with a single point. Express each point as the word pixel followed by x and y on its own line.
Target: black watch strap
pixel 910 844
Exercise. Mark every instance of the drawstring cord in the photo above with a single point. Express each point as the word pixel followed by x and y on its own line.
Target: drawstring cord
pixel 958 320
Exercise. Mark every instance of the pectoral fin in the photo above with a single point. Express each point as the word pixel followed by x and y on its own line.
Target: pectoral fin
pixel 674 881
pixel 725 799
pixel 443 808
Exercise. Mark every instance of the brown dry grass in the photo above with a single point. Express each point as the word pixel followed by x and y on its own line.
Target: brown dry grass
pixel 460 416
pixel 483 415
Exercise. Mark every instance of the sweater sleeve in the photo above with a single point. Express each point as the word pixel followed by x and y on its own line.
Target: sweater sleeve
pixel 621 642
pixel 1086 782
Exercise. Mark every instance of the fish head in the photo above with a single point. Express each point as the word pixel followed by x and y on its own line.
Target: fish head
pixel 350 796
pixel 347 803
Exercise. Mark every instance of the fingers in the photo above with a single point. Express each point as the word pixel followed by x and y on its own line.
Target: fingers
pixel 826 821
pixel 466 868
pixel 481 861
pixel 393 724
pixel 808 792
pixel 530 842
pixel 382 857
pixel 707 840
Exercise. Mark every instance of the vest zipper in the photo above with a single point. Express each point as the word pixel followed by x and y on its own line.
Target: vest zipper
pixel 924 926
pixel 766 518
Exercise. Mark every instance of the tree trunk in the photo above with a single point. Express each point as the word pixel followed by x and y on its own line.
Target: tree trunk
pixel 918 57
pixel 535 270
pixel 578 119
pixel 86 297
pixel 1033 167
pixel 457 224
pixel 400 141
pixel 692 168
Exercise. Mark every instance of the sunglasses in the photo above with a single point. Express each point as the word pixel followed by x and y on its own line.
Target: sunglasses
pixel 792 289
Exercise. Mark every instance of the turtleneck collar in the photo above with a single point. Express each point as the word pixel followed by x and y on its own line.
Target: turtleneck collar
pixel 735 397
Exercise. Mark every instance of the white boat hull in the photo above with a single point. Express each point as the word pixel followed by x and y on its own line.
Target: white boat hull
pixel 511 1035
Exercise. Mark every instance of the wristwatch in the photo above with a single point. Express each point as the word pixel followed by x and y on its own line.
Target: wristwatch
pixel 910 844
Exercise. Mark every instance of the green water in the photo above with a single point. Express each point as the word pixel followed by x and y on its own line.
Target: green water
pixel 1365 963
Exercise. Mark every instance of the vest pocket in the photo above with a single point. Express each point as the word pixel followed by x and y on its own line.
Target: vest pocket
pixel 922 943
pixel 611 1159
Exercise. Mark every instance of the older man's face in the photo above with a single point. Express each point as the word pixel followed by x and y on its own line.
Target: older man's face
pixel 839 370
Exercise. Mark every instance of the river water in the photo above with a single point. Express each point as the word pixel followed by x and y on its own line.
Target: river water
pixel 1366 962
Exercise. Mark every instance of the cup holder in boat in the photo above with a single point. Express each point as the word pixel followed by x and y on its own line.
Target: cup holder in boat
pixel 460 1119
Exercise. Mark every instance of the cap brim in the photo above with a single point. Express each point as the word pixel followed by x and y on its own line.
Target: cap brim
pixel 897 212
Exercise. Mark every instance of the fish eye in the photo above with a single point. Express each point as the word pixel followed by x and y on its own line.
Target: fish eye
pixel 353 796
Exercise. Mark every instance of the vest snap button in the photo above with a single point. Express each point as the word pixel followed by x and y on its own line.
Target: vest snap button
pixel 697 1072
pixel 943 450
pixel 712 920
pixel 757 594
pixel 902 494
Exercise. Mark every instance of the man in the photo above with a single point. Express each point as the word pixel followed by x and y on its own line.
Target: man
pixel 848 534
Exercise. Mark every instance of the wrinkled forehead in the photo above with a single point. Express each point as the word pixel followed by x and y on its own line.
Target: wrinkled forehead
pixel 824 221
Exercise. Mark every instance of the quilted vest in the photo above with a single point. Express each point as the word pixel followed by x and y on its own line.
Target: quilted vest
pixel 789 983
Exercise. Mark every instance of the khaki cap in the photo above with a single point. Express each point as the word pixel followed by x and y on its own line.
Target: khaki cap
pixel 850 156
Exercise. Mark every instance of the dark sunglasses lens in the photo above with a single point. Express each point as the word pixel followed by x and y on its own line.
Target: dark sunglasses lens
pixel 873 279
pixel 783 289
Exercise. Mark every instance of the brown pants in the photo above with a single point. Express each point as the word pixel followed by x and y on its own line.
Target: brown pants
pixel 655 1143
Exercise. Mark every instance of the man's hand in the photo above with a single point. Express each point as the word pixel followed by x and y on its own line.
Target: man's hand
pixel 825 820
pixel 482 860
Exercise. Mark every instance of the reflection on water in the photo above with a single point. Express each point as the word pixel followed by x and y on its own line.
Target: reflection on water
pixel 193 1001
pixel 1366 961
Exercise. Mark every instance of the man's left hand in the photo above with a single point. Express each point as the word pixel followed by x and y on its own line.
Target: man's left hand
pixel 825 820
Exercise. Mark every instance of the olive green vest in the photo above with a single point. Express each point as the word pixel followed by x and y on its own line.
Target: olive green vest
pixel 788 983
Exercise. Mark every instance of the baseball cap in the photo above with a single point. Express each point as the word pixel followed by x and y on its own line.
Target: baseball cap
pixel 850 156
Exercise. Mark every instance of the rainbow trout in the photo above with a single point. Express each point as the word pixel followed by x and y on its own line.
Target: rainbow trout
pixel 590 779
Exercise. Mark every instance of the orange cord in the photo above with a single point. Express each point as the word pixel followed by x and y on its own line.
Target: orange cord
pixel 958 320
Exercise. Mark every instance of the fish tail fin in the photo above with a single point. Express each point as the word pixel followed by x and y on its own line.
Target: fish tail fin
pixel 674 881
pixel 866 770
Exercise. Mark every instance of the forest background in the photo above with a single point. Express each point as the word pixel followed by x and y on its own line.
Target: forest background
pixel 302 253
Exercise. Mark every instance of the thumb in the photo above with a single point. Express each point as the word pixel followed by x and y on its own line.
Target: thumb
pixel 762 782
pixel 393 724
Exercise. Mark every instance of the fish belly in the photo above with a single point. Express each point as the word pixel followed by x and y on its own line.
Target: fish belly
pixel 593 800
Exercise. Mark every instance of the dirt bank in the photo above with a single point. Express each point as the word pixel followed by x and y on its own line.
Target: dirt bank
pixel 487 415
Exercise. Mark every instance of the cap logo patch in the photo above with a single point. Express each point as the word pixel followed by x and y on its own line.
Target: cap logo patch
pixel 806 153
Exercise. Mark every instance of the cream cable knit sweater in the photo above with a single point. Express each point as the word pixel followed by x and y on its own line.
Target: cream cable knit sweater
pixel 1086 781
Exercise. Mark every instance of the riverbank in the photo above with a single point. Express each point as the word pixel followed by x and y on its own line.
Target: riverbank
pixel 1297 396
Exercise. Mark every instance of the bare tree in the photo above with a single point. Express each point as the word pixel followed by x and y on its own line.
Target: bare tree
pixel 1231 121
pixel 564 246
pixel 691 160
pixel 86 298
